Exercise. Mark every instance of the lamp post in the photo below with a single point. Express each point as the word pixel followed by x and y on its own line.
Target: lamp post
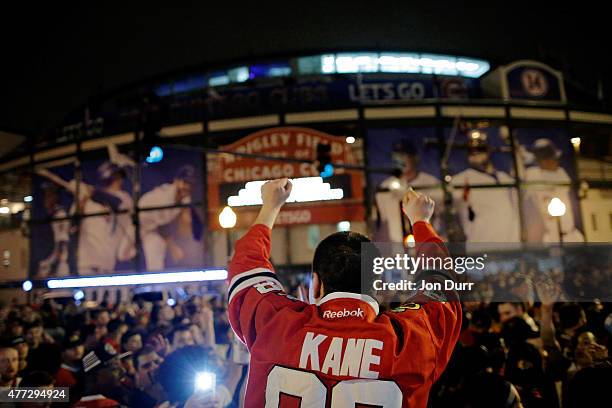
pixel 556 208
pixel 227 220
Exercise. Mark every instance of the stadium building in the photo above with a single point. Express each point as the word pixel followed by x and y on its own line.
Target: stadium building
pixel 163 176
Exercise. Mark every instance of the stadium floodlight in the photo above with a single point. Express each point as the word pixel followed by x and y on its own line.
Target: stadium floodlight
pixel 138 279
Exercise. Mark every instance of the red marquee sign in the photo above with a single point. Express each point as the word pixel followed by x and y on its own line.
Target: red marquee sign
pixel 228 172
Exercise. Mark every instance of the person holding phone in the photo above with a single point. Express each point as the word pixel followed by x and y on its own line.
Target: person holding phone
pixel 193 377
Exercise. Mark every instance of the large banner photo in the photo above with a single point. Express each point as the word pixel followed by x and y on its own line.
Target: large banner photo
pixel 546 160
pixel 170 211
pixel 51 229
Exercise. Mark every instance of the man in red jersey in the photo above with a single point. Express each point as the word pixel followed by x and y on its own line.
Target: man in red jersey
pixel 342 351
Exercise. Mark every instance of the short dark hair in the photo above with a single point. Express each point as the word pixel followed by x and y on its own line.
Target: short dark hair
pixel 337 262
pixel 114 325
pixel 180 328
pixel 32 324
pixel 146 349
pixel 130 333
pixel 570 315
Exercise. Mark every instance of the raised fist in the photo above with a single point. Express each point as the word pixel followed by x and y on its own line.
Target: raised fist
pixel 274 193
pixel 417 206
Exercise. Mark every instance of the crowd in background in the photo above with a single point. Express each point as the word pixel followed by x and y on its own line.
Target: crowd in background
pixel 142 353
pixel 138 354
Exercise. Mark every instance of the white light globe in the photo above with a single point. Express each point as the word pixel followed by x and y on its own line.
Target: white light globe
pixel 556 207
pixel 227 218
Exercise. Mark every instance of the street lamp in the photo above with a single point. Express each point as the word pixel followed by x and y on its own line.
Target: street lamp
pixel 227 220
pixel 556 208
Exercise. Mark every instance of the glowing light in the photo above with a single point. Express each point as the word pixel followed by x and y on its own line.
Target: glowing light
pixel 305 189
pixel 395 185
pixel 5 210
pixel 155 155
pixel 409 241
pixel 171 302
pixel 28 199
pixel 344 226
pixel 328 171
pixel 79 295
pixel 205 381
pixel 26 286
pixel 402 62
pixel 575 142
pixel 350 139
pixel 556 207
pixel 227 218
pixel 138 279
pixel 475 134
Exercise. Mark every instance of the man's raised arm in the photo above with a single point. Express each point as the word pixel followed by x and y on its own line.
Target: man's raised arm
pixel 251 275
pixel 253 249
pixel 443 309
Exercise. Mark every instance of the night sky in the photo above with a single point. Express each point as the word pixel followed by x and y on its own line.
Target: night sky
pixel 54 57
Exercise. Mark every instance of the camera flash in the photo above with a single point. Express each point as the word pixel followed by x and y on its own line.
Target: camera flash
pixel 205 381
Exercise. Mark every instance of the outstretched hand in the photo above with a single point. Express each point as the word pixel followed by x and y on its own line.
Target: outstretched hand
pixel 417 206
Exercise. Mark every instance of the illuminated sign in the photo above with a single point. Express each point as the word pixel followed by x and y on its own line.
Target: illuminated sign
pixel 409 63
pixel 304 190
pixel 236 180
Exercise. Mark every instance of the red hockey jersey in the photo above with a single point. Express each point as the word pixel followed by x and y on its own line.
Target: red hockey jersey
pixel 342 352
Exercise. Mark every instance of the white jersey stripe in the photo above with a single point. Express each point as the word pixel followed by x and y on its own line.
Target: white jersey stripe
pixel 250 283
pixel 247 273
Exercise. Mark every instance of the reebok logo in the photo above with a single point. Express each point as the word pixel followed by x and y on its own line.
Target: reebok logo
pixel 328 314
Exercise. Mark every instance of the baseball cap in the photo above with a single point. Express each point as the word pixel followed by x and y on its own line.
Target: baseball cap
pixel 72 340
pixel 187 173
pixel 544 148
pixel 101 356
pixel 16 341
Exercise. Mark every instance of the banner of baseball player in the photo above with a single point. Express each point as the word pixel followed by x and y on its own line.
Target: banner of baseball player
pixel 546 166
pixel 481 184
pixel 96 234
pixel 412 159
pixel 234 179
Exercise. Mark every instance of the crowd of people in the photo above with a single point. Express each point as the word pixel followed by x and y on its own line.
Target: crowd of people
pixel 136 354
pixel 546 353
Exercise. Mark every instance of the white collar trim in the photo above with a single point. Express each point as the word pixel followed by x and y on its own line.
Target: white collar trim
pixel 347 295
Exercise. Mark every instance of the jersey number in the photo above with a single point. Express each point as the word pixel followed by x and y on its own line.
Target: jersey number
pixel 312 393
